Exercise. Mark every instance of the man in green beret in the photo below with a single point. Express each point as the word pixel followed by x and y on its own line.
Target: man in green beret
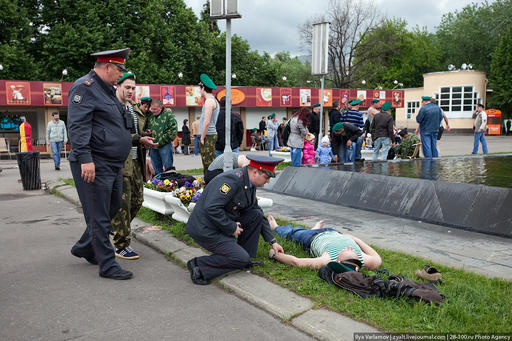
pixel 208 120
pixel 354 117
pixel 344 135
pixel 133 170
pixel 382 127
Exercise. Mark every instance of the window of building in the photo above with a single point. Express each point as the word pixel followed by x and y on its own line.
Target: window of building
pixel 457 99
pixel 412 107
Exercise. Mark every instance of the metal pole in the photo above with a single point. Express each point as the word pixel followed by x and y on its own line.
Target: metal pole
pixel 228 154
pixel 320 133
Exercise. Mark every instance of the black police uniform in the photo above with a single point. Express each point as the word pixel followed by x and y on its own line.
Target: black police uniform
pixel 229 198
pixel 99 131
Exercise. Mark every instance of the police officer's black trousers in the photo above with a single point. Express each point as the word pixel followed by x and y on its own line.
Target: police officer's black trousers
pixel 100 200
pixel 233 254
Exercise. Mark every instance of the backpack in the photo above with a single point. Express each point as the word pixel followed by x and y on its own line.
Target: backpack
pixel 286 132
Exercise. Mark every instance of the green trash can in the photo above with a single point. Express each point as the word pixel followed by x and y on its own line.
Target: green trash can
pixel 28 164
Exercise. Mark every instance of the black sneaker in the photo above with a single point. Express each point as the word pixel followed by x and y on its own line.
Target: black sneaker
pixel 119 274
pixel 195 273
pixel 91 260
pixel 57 168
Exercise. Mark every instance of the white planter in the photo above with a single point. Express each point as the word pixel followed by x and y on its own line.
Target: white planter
pixel 155 201
pixel 181 212
pixel 284 155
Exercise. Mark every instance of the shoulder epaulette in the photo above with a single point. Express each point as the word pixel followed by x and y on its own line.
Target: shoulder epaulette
pixel 238 173
pixel 89 81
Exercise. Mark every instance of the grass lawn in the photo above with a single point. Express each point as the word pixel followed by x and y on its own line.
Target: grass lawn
pixel 473 304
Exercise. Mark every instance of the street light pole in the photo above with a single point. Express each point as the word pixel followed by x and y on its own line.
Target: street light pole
pixel 228 153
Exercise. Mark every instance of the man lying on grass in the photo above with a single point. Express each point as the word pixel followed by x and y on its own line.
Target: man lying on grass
pixel 325 244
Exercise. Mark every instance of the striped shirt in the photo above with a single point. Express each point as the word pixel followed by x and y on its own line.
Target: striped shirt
pixel 136 124
pixel 333 243
pixel 354 117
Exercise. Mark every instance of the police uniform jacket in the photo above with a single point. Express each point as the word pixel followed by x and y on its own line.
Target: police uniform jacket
pixel 98 125
pixel 224 201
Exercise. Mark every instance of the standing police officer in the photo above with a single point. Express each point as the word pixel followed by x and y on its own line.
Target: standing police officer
pixel 99 131
pixel 227 220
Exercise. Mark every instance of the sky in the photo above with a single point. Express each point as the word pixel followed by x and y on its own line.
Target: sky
pixel 273 25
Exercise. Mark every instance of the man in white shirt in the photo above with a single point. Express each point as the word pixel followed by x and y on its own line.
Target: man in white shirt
pixel 479 126
pixel 56 136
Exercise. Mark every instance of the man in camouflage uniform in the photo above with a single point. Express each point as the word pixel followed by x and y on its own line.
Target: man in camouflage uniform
pixel 133 169
pixel 409 141
pixel 164 128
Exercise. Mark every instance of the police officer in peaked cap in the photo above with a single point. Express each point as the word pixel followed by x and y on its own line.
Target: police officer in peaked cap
pixel 99 130
pixel 227 220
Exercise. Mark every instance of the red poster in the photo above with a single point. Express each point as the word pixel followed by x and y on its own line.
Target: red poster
pixel 17 93
pixel 168 95
pixel 345 97
pixel 193 96
pixel 263 97
pixel 52 93
pixel 397 99
pixel 286 97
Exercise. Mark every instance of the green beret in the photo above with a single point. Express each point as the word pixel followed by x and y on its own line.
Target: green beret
pixel 426 98
pixel 207 81
pixel 254 129
pixel 284 118
pixel 386 106
pixel 271 116
pixel 338 126
pixel 316 105
pixel 146 99
pixel 354 102
pixel 126 75
pixel 375 100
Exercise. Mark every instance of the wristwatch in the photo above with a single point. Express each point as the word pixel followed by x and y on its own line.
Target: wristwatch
pixel 273 241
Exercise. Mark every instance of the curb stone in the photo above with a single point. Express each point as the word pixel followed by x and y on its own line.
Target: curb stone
pixel 278 301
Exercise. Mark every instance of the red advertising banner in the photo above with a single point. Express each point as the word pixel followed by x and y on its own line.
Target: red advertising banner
pixel 263 97
pixel 168 95
pixel 52 93
pixel 286 97
pixel 141 91
pixel 397 100
pixel 344 96
pixel 17 93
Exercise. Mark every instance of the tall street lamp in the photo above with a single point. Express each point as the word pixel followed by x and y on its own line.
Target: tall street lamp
pixel 226 9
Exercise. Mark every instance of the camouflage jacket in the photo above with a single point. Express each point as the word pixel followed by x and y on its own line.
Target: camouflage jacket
pixel 164 127
pixel 406 148
pixel 141 151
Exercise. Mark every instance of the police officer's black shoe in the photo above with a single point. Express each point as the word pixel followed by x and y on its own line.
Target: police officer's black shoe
pixel 91 260
pixel 118 274
pixel 195 273
pixel 253 263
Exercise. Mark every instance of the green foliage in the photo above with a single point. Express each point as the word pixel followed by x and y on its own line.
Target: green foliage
pixel 474 303
pixel 392 52
pixel 471 35
pixel 501 75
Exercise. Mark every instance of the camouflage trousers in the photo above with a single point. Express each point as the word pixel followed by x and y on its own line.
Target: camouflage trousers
pixel 132 201
pixel 208 151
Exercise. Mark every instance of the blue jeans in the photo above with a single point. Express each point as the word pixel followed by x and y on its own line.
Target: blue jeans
pixel 343 153
pixel 197 138
pixel 56 149
pixel 162 158
pixel 381 142
pixel 273 144
pixel 299 234
pixel 480 137
pixel 429 144
pixel 296 155
pixel 356 149
pixel 220 152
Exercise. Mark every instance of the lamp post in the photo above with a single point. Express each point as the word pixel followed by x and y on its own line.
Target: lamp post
pixel 64 74
pixel 319 61
pixel 226 9
pixel 1 67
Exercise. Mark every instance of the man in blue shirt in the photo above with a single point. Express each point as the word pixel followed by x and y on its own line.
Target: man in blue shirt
pixel 429 118
pixel 353 116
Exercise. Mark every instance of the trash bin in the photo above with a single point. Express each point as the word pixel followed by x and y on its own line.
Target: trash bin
pixel 28 164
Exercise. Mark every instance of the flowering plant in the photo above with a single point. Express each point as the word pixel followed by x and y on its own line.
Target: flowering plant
pixel 190 192
pixel 284 149
pixel 161 186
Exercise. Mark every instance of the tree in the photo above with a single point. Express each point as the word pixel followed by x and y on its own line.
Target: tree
pixel 205 17
pixel 471 35
pixel 501 74
pixel 351 21
pixel 15 34
pixel 392 52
